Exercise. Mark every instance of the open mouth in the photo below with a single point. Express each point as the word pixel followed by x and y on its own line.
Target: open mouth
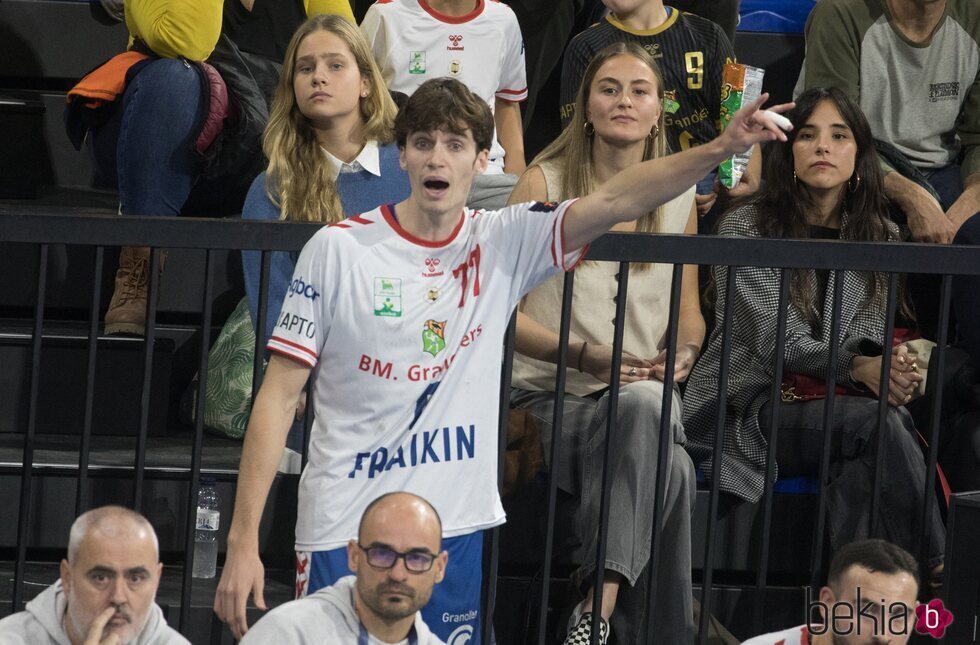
pixel 436 184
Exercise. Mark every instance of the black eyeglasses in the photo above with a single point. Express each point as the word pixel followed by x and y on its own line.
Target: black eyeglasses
pixel 381 557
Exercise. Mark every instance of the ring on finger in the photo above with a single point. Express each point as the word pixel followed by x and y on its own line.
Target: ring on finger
pixel 632 371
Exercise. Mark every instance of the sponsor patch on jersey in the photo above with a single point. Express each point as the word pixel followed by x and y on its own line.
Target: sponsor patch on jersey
pixel 543 207
pixel 299 287
pixel 416 63
pixel 433 336
pixel 670 102
pixel 455 67
pixel 388 297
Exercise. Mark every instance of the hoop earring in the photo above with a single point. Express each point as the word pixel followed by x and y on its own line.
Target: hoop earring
pixel 588 128
pixel 655 132
pixel 854 183
pixel 795 180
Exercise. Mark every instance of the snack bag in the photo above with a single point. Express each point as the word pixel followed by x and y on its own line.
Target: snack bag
pixel 740 85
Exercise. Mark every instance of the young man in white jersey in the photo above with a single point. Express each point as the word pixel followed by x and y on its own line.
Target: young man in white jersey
pixel 402 315
pixel 477 42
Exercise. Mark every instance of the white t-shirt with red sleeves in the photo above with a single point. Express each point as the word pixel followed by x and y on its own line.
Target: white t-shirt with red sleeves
pixel 412 43
pixel 406 340
pixel 793 636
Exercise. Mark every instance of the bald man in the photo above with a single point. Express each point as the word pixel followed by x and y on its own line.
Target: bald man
pixel 106 591
pixel 397 558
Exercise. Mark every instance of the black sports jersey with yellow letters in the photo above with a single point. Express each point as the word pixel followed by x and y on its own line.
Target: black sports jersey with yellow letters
pixel 690 51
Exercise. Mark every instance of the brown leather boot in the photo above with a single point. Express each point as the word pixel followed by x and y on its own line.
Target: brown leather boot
pixel 127 309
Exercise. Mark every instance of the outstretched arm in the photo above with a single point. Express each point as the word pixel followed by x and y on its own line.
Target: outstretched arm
pixel 642 187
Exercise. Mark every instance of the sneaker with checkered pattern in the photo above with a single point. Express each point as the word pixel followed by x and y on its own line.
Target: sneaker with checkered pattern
pixel 581 633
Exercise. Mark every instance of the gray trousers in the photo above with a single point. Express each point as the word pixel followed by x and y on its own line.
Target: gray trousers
pixel 633 460
pixel 854 440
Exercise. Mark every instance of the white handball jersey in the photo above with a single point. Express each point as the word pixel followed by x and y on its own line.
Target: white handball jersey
pixel 484 49
pixel 406 339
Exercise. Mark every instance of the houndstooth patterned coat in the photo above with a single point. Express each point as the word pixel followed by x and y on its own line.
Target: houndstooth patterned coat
pixel 756 297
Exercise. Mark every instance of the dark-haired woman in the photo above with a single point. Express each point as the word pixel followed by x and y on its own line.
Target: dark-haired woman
pixel 823 183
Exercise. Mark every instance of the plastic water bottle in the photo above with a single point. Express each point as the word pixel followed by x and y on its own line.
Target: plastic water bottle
pixel 206 533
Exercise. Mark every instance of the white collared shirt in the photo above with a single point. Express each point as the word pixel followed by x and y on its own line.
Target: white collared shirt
pixel 367 159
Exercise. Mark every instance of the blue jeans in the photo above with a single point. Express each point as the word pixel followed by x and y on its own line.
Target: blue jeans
pixel 923 289
pixel 949 184
pixel 147 148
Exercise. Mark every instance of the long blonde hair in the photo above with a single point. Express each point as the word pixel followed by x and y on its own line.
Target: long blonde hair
pixel 298 179
pixel 572 150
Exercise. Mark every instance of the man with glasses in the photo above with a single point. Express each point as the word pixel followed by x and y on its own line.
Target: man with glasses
pixel 396 558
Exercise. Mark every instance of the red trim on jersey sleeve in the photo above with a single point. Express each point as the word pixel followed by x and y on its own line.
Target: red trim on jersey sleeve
pixel 393 223
pixel 292 357
pixel 561 242
pixel 514 96
pixel 287 348
pixel 452 20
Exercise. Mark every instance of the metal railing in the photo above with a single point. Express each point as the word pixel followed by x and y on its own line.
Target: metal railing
pixel 44 230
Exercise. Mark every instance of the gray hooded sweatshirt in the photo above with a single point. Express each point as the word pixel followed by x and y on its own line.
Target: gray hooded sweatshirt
pixel 41 623
pixel 326 616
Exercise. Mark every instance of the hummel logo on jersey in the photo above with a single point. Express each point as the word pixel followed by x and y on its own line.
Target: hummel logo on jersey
pixel 432 268
pixel 455 40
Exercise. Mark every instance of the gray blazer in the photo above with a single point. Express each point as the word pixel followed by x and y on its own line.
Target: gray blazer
pixel 755 301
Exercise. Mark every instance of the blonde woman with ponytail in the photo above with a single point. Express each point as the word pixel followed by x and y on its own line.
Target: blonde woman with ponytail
pixel 618 122
pixel 329 142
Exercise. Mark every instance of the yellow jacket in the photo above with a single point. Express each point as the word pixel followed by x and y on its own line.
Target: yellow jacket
pixel 190 28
